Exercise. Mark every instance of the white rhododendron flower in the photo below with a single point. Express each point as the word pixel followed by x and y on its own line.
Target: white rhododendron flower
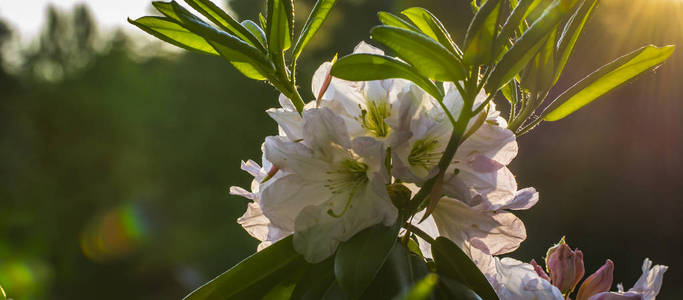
pixel 515 280
pixel 478 231
pixel 646 288
pixel 478 172
pixel 253 220
pixel 333 188
pixel 368 108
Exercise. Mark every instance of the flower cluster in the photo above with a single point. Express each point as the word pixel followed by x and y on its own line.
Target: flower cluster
pixel 324 176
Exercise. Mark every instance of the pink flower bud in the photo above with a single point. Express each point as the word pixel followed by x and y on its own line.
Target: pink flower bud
pixel 539 270
pixel 598 282
pixel 565 267
pixel 616 296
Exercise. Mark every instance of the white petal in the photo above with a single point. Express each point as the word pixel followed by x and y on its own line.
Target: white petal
pixel 515 280
pixel 294 157
pixel 364 47
pixel 254 222
pixel 475 188
pixel 495 142
pixel 284 198
pixel 524 199
pixel 318 233
pixel 286 103
pixel 238 191
pixel 319 77
pixel 290 122
pixel 492 232
pixel 649 284
pixel 323 127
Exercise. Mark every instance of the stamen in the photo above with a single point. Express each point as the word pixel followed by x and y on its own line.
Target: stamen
pixel 423 153
pixel 349 177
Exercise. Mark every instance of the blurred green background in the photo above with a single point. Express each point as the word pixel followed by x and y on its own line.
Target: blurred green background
pixel 117 153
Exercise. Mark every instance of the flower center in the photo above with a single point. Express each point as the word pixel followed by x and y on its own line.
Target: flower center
pixel 424 154
pixel 373 116
pixel 347 179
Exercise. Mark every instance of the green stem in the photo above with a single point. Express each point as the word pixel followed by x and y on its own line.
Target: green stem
pixel 419 232
pixel 529 127
pixel 451 148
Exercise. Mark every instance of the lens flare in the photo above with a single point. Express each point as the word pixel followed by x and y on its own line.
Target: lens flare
pixel 23 278
pixel 116 233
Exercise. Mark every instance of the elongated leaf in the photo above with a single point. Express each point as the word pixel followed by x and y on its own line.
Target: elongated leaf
pixel 540 72
pixel 359 259
pixel 255 30
pixel 169 31
pixel 280 25
pixel 481 34
pixel 429 57
pixel 400 271
pixel 432 27
pixel 527 46
pixel 571 34
pixel 224 21
pixel 454 263
pixel 390 19
pixel 246 58
pixel 166 9
pixel 519 13
pixel 315 20
pixel 605 79
pixel 253 277
pixel 453 289
pixel 423 289
pixel 366 67
pixel 316 282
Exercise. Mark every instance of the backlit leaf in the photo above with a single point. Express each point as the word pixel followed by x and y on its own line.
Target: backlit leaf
pixel 605 79
pixel 428 56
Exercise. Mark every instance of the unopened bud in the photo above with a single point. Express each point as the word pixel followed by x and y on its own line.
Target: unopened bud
pixel 399 194
pixel 598 282
pixel 565 267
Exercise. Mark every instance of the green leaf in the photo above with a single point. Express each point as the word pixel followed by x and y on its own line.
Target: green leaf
pixel 390 19
pixel 166 9
pixel 429 57
pixel 316 282
pixel 527 46
pixel 454 263
pixel 400 271
pixel 168 31
pixel 255 276
pixel 605 79
pixel 224 21
pixel 247 59
pixel 366 67
pixel 453 289
pixel 571 34
pixel 423 289
pixel 519 13
pixel 481 34
pixel 280 25
pixel 432 27
pixel 315 20
pixel 255 30
pixel 540 73
pixel 359 259
pixel 510 91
